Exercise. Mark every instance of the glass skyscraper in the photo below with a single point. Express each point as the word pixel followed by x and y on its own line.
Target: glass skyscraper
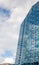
pixel 28 44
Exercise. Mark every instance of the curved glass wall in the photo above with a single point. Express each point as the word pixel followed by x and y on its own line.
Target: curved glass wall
pixel 28 45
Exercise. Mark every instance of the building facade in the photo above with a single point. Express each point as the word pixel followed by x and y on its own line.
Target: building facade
pixel 28 44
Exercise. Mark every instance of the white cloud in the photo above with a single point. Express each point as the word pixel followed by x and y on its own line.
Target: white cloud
pixel 8 60
pixel 1 51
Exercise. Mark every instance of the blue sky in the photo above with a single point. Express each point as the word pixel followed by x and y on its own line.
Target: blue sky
pixel 4 12
pixel 12 13
pixel 7 54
